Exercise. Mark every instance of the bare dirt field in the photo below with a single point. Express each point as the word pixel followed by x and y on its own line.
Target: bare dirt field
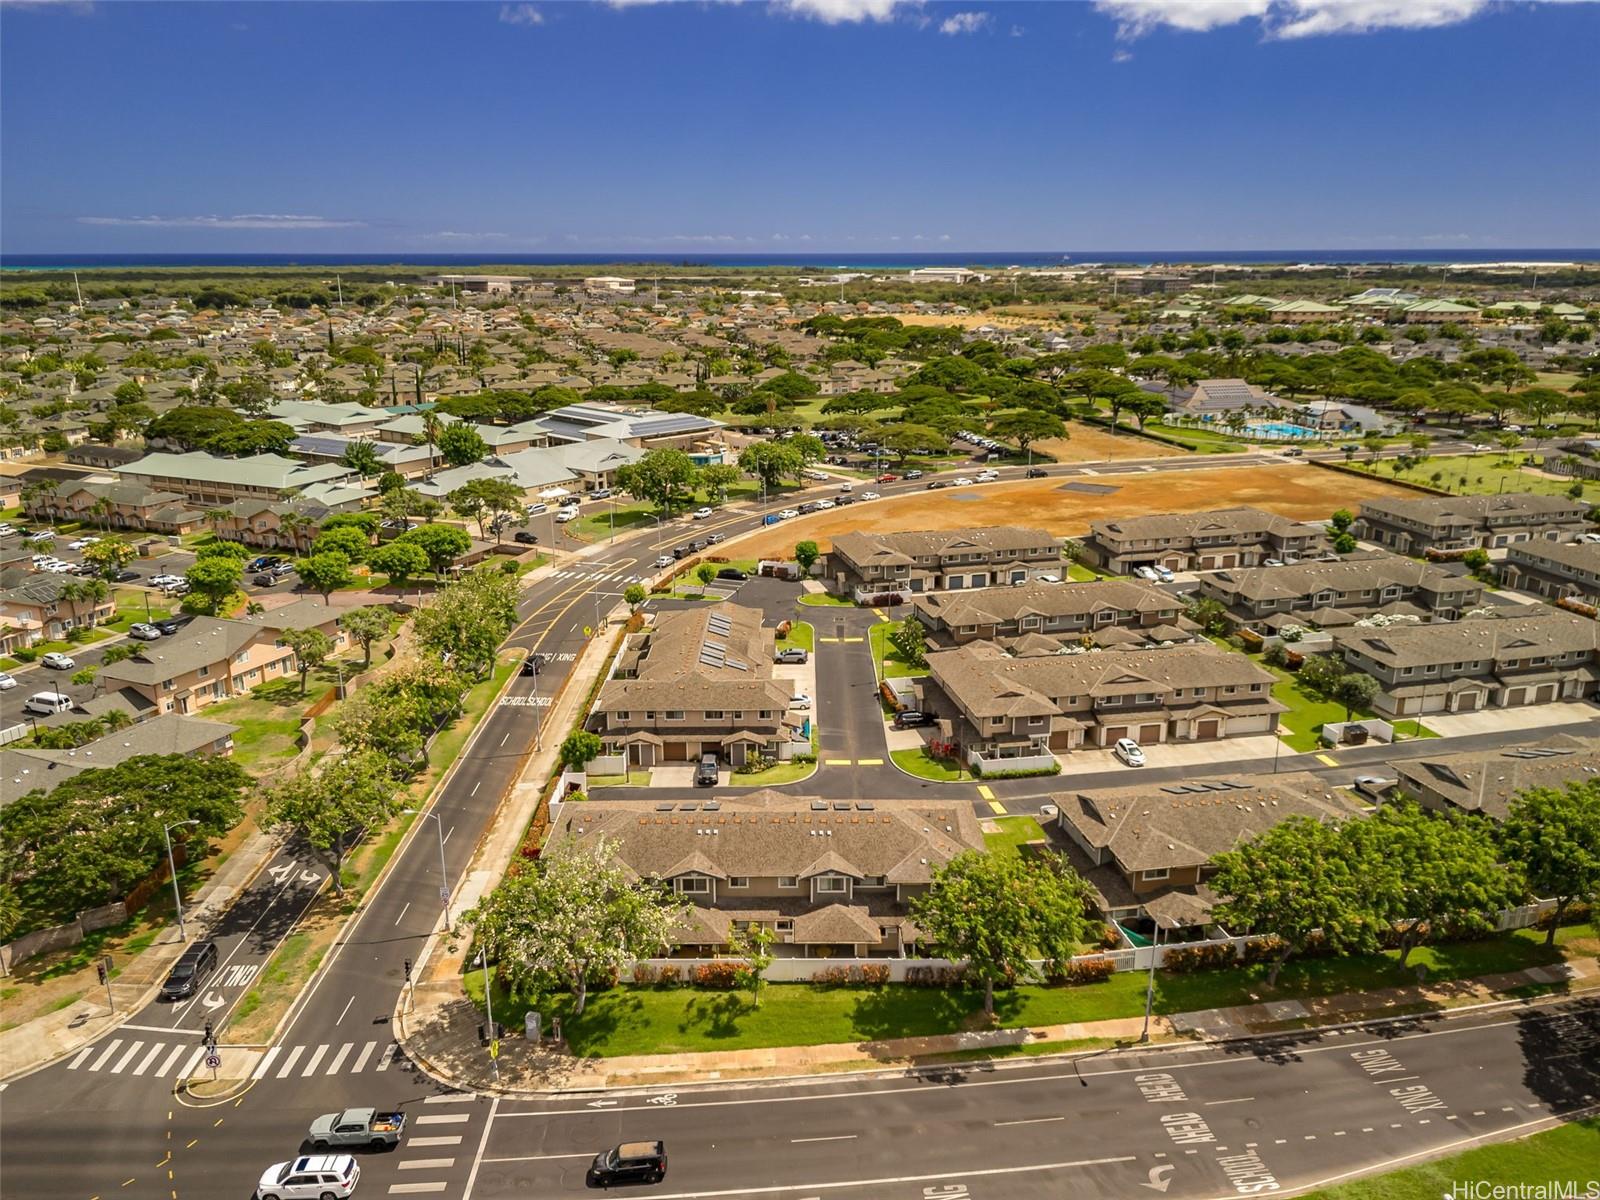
pixel 1294 490
pixel 1090 444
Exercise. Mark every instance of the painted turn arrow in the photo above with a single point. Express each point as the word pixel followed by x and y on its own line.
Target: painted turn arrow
pixel 213 1000
pixel 1160 1177
pixel 601 1103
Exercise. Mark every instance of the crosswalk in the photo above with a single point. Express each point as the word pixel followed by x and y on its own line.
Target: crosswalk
pixel 164 1059
pixel 601 575
pixel 129 1056
pixel 432 1140
pixel 329 1058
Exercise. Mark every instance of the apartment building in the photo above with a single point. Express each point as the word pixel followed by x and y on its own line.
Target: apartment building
pixel 1557 570
pixel 1534 657
pixel 1038 618
pixel 1147 851
pixel 38 607
pixel 1484 783
pixel 1333 594
pixel 700 681
pixel 209 480
pixel 1444 523
pixel 828 879
pixel 27 769
pixel 1200 541
pixel 124 506
pixel 1003 707
pixel 940 559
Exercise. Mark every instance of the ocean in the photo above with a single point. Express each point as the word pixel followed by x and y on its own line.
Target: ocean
pixel 820 261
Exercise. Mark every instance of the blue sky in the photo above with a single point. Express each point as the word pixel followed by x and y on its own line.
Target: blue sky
pixel 797 125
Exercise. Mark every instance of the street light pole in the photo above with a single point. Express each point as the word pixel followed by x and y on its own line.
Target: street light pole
pixel 1150 983
pixel 444 874
pixel 172 869
pixel 488 1002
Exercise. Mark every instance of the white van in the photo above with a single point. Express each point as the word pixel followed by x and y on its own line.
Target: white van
pixel 47 704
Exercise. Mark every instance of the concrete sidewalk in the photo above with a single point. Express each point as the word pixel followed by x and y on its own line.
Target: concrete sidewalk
pixel 440 1034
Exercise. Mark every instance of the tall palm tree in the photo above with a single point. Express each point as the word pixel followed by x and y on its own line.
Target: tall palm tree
pixel 432 427
pixel 102 508
pixel 215 517
pixel 295 523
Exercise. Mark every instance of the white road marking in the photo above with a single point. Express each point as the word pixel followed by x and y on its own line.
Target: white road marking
pixel 288 1063
pixel 144 1064
pixel 345 1009
pixel 401 917
pixel 388 1056
pixel 483 1141
pixel 1028 1121
pixel 83 1054
pixel 475 788
pixel 170 1061
pixel 861 1183
pixel 316 1057
pixel 108 1052
pixel 338 1059
pixel 266 1061
pixel 443 1119
pixel 453 1139
pixel 426 1164
pixel 450 1098
pixel 146 1028
pixel 190 1067
pixel 412 1189
pixel 841 1137
pixel 532 1157
pixel 448 832
pixel 361 1059
pixel 1239 1100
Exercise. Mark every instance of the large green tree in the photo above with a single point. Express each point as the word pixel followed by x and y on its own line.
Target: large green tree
pixel 400 561
pixel 326 572
pixel 311 649
pixel 461 445
pixel 468 619
pixel 1553 836
pixel 213 580
pixel 366 625
pixel 331 802
pixel 1000 912
pixel 1026 426
pixel 443 544
pixel 664 477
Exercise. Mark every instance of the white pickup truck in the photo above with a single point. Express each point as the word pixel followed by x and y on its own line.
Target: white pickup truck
pixel 357 1127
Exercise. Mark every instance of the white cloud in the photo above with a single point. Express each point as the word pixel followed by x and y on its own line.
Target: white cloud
pixel 451 235
pixel 520 14
pixel 78 8
pixel 829 12
pixel 239 221
pixel 1283 19
pixel 964 22
pixel 1017 31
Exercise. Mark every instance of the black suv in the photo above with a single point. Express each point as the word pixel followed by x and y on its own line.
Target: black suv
pixel 1036 473
pixel 631 1162
pixel 190 971
pixel 705 772
pixel 733 573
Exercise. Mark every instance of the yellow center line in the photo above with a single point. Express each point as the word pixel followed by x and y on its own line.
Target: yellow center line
pixel 126 1182
pixel 836 762
pixel 1327 760
pixel 219 1122
pixel 983 790
pixel 192 1144
pixel 165 1160
pixel 852 639
pixel 869 762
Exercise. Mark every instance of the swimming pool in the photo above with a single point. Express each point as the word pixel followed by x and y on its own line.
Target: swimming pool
pixel 1279 430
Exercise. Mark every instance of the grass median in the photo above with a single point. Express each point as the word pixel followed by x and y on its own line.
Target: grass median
pixel 672 1020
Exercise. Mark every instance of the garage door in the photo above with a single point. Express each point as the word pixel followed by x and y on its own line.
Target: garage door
pixel 1112 734
pixel 675 751
pixel 1467 702
pixel 1149 735
pixel 1545 694
pixel 1207 729
pixel 1516 696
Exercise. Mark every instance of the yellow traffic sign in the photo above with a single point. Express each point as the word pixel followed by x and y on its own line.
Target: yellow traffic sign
pixel 494 1048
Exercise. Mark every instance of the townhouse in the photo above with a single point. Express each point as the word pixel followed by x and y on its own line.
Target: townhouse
pixel 1534 656
pixel 699 681
pixel 830 880
pixel 39 607
pixel 1453 523
pixel 1557 570
pixel 1484 783
pixel 939 559
pixel 1200 541
pixel 999 707
pixel 1148 851
pixel 206 479
pixel 122 505
pixel 1043 617
pixel 214 658
pixel 26 769
pixel 1333 594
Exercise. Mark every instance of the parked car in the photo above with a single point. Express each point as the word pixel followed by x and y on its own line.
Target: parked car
pixel 935 484
pixel 262 563
pixel 1163 573
pixel 1047 578
pixel 192 969
pixel 310 1177
pixel 82 543
pixel 733 573
pixel 143 632
pixel 788 514
pixel 162 581
pixel 870 496
pixel 565 515
pixel 911 718
pixel 792 654
pixel 1129 752
pixel 680 552
pixel 265 579
pixel 537 509
pixel 822 504
pixel 801 701
pixel 1373 785
pixel 664 560
pixel 525 538
pixel 6 682
pixel 701 513
pixel 988 476
pixel 171 625
pixel 1272 562
pixel 963 481
pixel 631 1162
pixel 713 538
pixel 914 473
pixel 1035 473
pixel 600 493
pixel 121 575
pixel 1148 574
pixel 57 661
pixel 706 771
pixel 47 704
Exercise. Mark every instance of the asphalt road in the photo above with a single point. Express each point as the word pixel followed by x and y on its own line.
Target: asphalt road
pixel 104 1122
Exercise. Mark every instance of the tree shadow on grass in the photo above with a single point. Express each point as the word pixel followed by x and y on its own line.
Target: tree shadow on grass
pixel 882 1013
pixel 603 1016
pixel 714 1015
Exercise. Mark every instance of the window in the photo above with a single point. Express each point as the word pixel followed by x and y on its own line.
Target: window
pixel 831 883
pixel 738 881
pixel 766 714
pixel 1035 721
pixel 1149 876
pixel 696 884
pixel 784 925
pixel 168 685
pixel 673 714
pixel 787 881
pixel 714 714
pixel 203 672
pixel 619 716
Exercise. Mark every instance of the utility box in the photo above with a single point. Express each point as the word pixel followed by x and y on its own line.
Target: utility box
pixel 530 1027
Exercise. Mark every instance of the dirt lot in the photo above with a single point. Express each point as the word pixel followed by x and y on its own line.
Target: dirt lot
pixel 1091 443
pixel 1294 490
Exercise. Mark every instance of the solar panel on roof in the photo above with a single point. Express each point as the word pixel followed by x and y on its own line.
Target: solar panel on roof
pixel 735 664
pixel 667 807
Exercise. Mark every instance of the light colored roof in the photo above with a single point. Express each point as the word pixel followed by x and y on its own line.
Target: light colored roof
pixel 255 470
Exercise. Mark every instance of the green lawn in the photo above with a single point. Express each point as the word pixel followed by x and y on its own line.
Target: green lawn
pixel 775 775
pixel 1078 573
pixel 1485 474
pixel 640 778
pixel 940 770
pixel 1565 1153
pixel 889 662
pixel 1302 724
pixel 1015 832
pixel 826 600
pixel 627 1020
pixel 801 636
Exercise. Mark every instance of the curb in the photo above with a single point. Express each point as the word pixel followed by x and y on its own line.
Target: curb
pixel 914 1068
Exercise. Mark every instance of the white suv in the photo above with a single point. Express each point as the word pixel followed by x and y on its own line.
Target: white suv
pixel 313 1177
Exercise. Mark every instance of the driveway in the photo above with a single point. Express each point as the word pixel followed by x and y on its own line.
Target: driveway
pixel 1495 720
pixel 1259 748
